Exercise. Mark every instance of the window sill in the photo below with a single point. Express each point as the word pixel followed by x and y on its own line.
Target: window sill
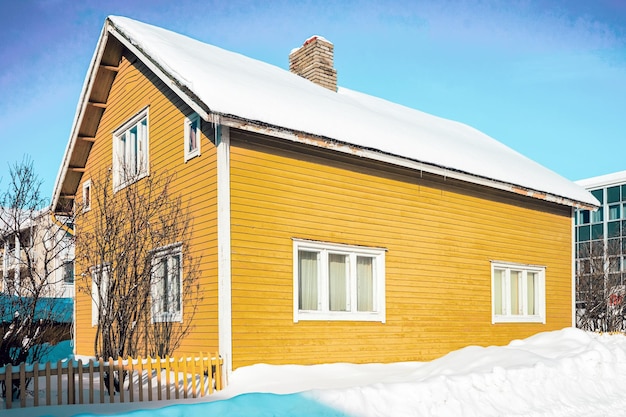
pixel 338 316
pixel 518 319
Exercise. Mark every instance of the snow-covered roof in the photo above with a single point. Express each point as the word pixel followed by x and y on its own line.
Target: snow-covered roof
pixel 603 180
pixel 219 82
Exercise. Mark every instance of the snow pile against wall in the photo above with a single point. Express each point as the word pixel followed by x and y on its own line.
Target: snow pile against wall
pixel 562 373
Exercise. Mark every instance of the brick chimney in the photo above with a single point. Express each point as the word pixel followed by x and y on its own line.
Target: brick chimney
pixel 314 61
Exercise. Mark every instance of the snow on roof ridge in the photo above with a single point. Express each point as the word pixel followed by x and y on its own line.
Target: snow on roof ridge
pixel 232 84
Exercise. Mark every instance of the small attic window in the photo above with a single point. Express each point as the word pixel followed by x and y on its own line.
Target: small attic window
pixel 87 195
pixel 192 136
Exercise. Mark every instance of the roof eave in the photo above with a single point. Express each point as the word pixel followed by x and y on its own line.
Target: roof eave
pixel 78 116
pixel 373 154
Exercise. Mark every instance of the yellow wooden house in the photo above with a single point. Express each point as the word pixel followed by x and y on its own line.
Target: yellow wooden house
pixel 333 226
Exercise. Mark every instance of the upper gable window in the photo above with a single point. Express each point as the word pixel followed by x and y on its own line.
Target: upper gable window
pixel 192 136
pixel 518 293
pixel 130 151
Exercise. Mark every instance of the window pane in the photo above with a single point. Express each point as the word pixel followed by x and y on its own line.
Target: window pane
pixel 584 233
pixel 597 231
pixel 597 216
pixel 338 282
pixel 613 229
pixel 531 285
pixel 612 194
pixel 163 276
pixel 516 294
pixel 193 142
pixel 624 192
pixel 599 194
pixel 583 250
pixel 174 295
pixel 365 283
pixel 614 212
pixel 68 272
pixel 307 280
pixel 584 216
pixel 498 279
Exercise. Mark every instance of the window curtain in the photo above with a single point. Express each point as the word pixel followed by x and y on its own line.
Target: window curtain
pixel 531 282
pixel 337 277
pixel 159 303
pixel 365 283
pixel 498 280
pixel 174 289
pixel 516 294
pixel 308 280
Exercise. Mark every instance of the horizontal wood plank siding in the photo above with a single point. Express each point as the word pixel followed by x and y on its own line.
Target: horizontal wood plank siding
pixel 440 237
pixel 195 180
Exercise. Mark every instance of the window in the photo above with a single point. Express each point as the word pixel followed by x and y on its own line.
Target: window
pixel 87 195
pixel 68 272
pixel 518 293
pixel 613 194
pixel 338 282
pixel 166 284
pixel 130 151
pixel 99 286
pixel 192 136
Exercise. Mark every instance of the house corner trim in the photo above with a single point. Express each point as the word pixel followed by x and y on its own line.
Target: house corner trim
pixel 224 248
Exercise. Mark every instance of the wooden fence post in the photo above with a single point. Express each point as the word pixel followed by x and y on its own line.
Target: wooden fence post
pixel 131 385
pixel 120 377
pixel 8 385
pixel 48 376
pixel 36 384
pixel 59 382
pixel 81 398
pixel 149 372
pixel 140 377
pixel 22 387
pixel 167 377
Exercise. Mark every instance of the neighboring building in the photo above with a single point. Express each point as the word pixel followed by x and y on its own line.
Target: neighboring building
pixel 333 226
pixel 36 244
pixel 601 251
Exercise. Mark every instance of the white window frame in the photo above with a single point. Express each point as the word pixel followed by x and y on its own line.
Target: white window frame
pixel 323 311
pixel 168 252
pixel 87 195
pixel 506 295
pixel 103 272
pixel 131 160
pixel 189 121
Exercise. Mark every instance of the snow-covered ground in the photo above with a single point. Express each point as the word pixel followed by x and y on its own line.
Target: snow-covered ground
pixel 562 373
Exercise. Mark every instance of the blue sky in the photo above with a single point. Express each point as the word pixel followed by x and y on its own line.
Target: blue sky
pixel 547 78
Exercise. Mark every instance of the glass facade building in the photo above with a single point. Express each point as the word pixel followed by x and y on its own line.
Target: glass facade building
pixel 601 244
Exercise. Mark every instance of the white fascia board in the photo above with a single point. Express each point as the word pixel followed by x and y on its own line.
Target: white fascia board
pixel 80 112
pixel 400 161
pixel 573 268
pixel 158 71
pixel 224 284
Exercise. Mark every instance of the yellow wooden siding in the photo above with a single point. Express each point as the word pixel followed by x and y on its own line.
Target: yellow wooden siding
pixel 133 89
pixel 440 237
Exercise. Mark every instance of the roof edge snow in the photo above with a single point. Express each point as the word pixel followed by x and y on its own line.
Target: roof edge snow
pixel 131 34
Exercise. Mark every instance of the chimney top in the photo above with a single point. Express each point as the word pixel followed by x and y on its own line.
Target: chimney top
pixel 314 61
